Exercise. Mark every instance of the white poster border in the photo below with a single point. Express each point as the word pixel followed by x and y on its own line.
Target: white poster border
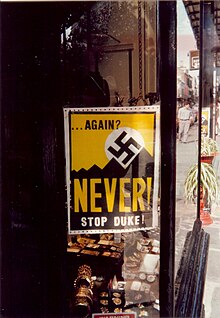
pixel 138 109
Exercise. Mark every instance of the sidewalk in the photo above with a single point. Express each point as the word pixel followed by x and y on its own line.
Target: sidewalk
pixel 185 215
pixel 212 288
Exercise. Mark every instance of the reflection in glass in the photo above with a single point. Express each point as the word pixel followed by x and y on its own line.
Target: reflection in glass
pixel 187 153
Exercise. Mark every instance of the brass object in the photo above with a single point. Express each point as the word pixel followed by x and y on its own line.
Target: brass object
pixel 81 301
pixel 103 294
pixel 84 277
pixel 84 270
pixel 104 301
pixel 118 310
pixel 116 301
pixel 83 295
pixel 83 280
pixel 83 291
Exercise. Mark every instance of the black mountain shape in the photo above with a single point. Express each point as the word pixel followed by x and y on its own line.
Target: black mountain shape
pixel 114 169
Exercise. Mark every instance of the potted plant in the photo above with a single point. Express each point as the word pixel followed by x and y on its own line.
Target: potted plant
pixel 209 148
pixel 208 188
pixel 208 183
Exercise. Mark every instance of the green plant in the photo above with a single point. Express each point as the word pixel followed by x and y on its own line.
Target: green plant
pixel 209 146
pixel 208 183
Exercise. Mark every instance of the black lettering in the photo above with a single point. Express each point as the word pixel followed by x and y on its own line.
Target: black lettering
pixel 87 125
pixel 111 124
pixel 101 126
pixel 94 124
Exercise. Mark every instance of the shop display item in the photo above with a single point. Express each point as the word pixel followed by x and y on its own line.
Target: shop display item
pixel 116 276
pixel 83 294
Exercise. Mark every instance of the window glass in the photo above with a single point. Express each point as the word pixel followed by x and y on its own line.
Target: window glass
pixel 187 128
pixel 112 158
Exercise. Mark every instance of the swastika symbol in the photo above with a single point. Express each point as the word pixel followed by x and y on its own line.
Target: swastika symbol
pixel 124 145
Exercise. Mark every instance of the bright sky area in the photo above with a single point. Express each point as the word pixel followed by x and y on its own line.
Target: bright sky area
pixel 185 38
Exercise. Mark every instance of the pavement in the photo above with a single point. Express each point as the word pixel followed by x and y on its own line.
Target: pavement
pixel 185 216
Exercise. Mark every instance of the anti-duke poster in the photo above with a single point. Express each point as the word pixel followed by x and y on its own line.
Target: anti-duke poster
pixel 109 169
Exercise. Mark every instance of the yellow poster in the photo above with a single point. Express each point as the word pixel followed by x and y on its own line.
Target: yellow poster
pixel 205 122
pixel 111 160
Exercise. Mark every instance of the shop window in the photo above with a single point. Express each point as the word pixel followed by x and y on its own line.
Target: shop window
pixel 112 160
